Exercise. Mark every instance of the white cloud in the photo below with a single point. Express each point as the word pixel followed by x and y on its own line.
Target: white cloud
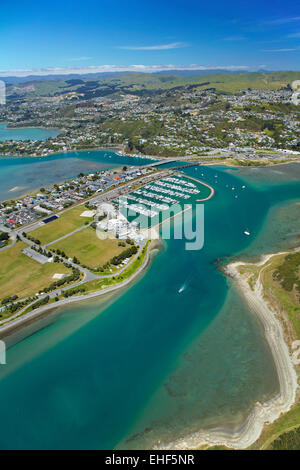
pixel 293 35
pixel 284 20
pixel 234 38
pixel 116 68
pixel 78 59
pixel 287 49
pixel 162 47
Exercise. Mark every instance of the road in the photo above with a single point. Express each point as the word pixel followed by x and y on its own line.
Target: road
pixel 14 320
pixel 68 235
pixel 12 234
pixel 87 276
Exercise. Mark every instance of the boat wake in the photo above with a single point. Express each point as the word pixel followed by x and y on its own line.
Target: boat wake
pixel 185 285
pixel 182 288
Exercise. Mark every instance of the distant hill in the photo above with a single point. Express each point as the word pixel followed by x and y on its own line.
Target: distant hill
pixel 192 73
pixel 102 75
pixel 143 84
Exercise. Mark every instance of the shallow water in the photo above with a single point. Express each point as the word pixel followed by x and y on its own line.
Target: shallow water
pixel 30 133
pixel 18 175
pixel 214 383
pixel 156 362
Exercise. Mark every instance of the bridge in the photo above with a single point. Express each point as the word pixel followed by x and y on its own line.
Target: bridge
pixel 161 162
pixel 185 166
pixel 171 160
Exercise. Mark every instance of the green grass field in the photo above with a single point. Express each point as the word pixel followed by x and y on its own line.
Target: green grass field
pixel 66 223
pixel 99 284
pixel 287 301
pixel 23 276
pixel 88 249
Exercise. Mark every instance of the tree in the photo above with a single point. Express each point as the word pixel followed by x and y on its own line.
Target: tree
pixel 130 145
pixel 4 236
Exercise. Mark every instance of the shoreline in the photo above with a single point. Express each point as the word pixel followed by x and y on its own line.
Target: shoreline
pixel 212 190
pixel 120 148
pixel 152 235
pixel 30 192
pixel 29 127
pixel 261 413
pixel 19 322
pixel 92 149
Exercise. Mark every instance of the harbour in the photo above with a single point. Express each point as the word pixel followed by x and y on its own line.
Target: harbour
pixel 92 338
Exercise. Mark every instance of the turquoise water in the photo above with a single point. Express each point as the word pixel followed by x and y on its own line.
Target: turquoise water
pixel 30 133
pixel 19 175
pixel 155 364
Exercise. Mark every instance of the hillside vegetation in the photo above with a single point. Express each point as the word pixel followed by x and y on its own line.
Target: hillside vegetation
pixel 143 84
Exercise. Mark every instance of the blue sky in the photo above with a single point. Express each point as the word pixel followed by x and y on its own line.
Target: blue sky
pixel 73 35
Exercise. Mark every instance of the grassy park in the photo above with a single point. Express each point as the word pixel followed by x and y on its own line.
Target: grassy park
pixel 67 222
pixel 98 284
pixel 23 276
pixel 88 248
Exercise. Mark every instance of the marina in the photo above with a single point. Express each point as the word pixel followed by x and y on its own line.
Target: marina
pixel 158 198
pixel 169 366
pixel 197 319
pixel 149 229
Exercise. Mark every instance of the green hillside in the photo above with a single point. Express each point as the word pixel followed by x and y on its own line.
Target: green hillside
pixel 143 84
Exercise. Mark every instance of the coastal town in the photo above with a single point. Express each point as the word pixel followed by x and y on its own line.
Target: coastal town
pixel 164 152
pixel 149 230
pixel 44 202
pixel 57 223
pixel 189 121
pixel 64 218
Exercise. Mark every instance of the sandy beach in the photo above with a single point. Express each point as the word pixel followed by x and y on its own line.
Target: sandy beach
pixel 262 413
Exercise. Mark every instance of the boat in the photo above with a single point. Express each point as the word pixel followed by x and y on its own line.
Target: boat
pixel 246 232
